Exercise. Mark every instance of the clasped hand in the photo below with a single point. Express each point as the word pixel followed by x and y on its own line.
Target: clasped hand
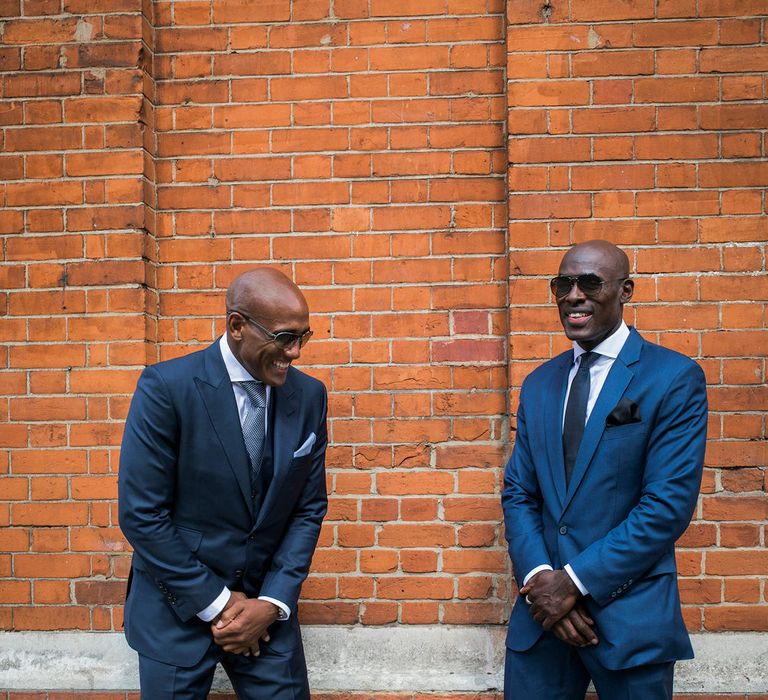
pixel 556 603
pixel 243 624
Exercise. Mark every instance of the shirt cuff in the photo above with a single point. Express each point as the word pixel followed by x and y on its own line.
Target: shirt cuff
pixel 216 606
pixel 533 572
pixel 283 611
pixel 575 579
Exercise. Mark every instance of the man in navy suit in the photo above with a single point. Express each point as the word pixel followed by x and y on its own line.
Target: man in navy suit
pixel 222 495
pixel 603 479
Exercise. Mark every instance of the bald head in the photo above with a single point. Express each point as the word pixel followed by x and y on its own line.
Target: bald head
pixel 264 293
pixel 610 257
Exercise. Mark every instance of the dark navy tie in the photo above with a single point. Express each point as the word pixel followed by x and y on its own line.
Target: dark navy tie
pixel 576 413
pixel 254 427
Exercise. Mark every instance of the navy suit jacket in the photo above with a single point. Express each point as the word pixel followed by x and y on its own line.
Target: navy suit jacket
pixel 185 503
pixel 633 489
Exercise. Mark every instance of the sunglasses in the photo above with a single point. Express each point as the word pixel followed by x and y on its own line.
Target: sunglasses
pixel 589 284
pixel 284 339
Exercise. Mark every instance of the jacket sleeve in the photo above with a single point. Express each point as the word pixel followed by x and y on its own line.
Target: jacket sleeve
pixel 522 503
pixel 670 488
pixel 291 561
pixel 146 487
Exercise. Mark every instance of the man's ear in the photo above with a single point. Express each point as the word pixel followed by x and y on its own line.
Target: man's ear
pixel 235 323
pixel 627 290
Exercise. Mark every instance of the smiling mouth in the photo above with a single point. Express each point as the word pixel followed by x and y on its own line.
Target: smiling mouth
pixel 281 365
pixel 578 318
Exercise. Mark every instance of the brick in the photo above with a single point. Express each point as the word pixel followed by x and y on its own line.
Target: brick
pixel 549 93
pixel 612 177
pixel 724 117
pixel 115 163
pixel 666 90
pixel 229 11
pixel 261 63
pixel 674 203
pixel 733 60
pixel 42 84
pixel 677 34
pixel 40 30
pixel 414 588
pixel 601 10
pixel 736 618
pixel 546 206
pixel 547 150
pixel 679 147
pixel 43 138
pixel 614 63
pixel 733 174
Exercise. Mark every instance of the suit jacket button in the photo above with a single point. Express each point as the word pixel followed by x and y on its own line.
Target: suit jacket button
pixel 238 573
pixel 563 530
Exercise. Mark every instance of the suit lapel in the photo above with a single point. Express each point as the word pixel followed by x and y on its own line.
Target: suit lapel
pixel 216 391
pixel 554 400
pixel 286 427
pixel 618 379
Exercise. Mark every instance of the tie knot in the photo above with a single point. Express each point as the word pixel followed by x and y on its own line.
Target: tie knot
pixel 588 359
pixel 256 391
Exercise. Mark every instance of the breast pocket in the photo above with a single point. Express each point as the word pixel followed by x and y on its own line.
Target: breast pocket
pixel 629 431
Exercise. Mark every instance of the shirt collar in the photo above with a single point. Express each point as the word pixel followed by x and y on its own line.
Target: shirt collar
pixel 610 347
pixel 236 372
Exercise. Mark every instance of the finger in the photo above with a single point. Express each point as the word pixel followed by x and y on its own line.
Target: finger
pixel 265 636
pixel 574 636
pixel 228 635
pixel 585 631
pixel 560 632
pixel 581 610
pixel 229 615
pixel 563 632
pixel 549 622
pixel 236 648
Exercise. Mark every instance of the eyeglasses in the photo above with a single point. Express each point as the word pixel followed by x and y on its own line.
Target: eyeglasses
pixel 589 284
pixel 284 339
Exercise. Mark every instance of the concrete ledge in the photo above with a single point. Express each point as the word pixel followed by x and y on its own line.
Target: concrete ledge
pixel 404 658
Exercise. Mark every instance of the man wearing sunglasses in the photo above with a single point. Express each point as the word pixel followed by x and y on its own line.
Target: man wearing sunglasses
pixel 603 479
pixel 222 494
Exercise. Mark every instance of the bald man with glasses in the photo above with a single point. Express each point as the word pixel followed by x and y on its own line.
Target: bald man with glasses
pixel 222 495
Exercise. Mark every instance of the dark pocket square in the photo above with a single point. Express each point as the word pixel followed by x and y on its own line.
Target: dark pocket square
pixel 626 411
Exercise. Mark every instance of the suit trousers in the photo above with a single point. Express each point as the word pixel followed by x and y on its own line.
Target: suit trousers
pixel 554 670
pixel 273 675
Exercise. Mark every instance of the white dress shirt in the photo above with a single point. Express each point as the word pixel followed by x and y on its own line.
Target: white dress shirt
pixel 608 350
pixel 238 373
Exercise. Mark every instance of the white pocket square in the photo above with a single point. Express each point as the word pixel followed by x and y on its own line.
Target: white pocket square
pixel 306 448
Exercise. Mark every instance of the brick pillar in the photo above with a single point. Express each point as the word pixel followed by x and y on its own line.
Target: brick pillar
pixel 74 330
pixel 644 123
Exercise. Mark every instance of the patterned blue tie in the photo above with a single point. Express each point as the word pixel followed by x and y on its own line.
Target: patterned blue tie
pixel 253 427
pixel 576 412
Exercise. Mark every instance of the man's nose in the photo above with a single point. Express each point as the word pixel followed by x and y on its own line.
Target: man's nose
pixel 294 351
pixel 575 293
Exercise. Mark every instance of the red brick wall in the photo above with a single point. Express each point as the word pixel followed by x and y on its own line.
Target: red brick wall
pixel 152 153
